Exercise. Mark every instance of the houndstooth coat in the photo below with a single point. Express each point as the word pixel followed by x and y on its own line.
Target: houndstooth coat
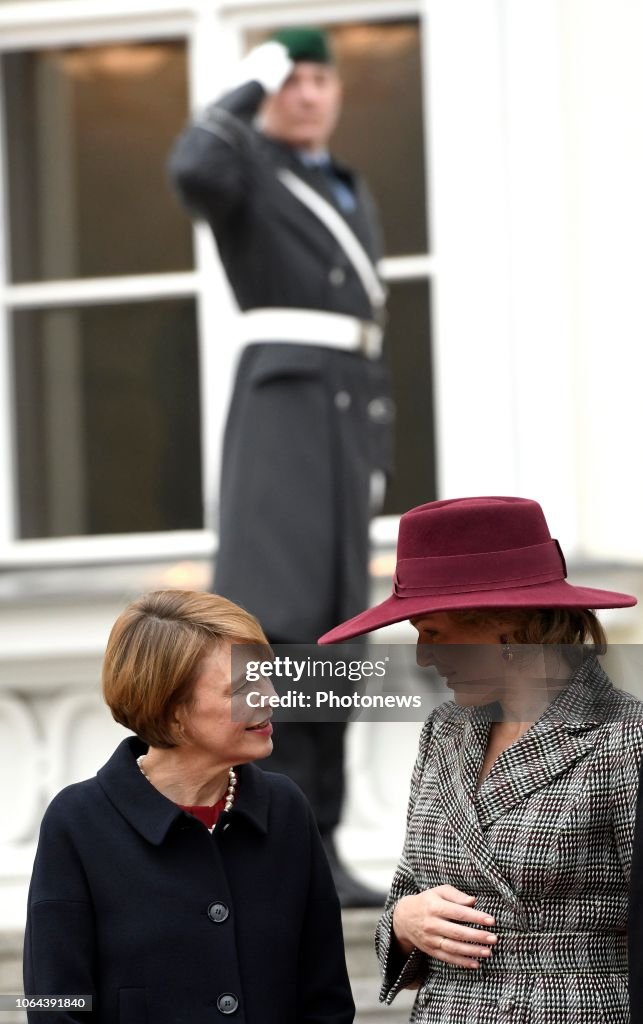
pixel 544 844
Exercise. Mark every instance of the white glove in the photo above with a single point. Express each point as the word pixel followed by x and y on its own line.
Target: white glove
pixel 268 64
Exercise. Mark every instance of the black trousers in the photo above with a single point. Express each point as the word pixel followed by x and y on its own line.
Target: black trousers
pixel 311 752
pixel 312 755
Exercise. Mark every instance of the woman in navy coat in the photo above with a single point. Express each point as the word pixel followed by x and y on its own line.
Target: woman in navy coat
pixel 172 887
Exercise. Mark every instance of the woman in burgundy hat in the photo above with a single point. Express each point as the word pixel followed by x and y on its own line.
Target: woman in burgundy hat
pixel 509 902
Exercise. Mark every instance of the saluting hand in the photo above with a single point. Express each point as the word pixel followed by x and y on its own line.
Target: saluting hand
pixel 428 921
pixel 269 64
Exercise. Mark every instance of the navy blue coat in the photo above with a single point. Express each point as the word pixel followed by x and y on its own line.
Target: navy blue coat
pixel 134 902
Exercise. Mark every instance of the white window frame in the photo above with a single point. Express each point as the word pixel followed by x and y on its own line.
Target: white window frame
pixel 213 35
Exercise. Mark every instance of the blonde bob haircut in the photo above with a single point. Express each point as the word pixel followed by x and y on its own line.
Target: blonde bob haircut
pixel 154 654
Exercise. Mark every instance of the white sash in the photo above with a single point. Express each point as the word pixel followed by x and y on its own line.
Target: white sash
pixel 341 232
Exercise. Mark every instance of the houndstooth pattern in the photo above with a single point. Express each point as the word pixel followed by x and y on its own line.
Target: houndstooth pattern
pixel 544 844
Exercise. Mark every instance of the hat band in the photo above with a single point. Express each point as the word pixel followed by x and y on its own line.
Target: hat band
pixel 487 570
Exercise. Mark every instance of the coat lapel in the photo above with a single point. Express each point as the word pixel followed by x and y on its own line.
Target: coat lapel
pixel 459 757
pixel 535 760
pixel 565 733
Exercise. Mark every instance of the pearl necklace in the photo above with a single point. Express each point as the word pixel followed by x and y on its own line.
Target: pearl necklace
pixel 230 792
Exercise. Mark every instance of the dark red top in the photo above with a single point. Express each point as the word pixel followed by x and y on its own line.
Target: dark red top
pixel 208 815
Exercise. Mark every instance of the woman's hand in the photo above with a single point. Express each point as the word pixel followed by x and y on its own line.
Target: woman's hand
pixel 428 921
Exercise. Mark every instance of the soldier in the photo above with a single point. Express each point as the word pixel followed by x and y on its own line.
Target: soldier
pixel 309 425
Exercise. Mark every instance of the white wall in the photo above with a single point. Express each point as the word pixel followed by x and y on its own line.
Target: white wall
pixel 604 114
pixel 535 109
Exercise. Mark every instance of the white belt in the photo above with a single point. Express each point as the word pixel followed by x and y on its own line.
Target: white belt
pixel 311 327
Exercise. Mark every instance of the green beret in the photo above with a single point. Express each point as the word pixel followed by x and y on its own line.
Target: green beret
pixel 309 44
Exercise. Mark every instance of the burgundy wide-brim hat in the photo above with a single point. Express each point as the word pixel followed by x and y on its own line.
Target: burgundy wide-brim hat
pixel 476 553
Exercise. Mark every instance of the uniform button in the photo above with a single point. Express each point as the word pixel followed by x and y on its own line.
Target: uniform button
pixel 381 410
pixel 227 1003
pixel 343 400
pixel 218 912
pixel 337 277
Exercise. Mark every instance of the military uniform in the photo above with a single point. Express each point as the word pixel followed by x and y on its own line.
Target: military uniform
pixel 309 421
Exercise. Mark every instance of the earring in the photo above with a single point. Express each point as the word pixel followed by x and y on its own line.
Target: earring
pixel 507 653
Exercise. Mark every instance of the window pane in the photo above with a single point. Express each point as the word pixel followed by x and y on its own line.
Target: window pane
pixel 381 131
pixel 408 350
pixel 107 407
pixel 88 134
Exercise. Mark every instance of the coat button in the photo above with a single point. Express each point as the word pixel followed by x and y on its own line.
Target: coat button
pixel 343 400
pixel 218 912
pixel 337 277
pixel 227 1003
pixel 381 410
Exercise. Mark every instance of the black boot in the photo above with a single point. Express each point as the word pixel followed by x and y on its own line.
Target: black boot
pixel 351 892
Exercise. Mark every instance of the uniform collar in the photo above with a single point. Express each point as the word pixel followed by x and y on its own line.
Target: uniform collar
pixel 299 160
pixel 152 815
